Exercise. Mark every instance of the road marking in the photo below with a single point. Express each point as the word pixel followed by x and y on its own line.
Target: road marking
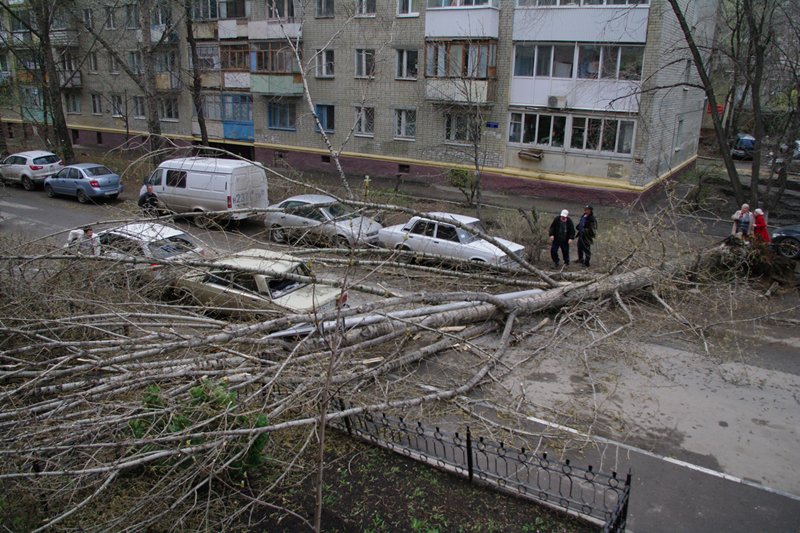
pixel 18 206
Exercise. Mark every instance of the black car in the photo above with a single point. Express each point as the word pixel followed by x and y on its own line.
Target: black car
pixel 786 241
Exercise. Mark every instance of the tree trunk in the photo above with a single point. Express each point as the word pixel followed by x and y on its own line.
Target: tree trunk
pixel 197 97
pixel 148 75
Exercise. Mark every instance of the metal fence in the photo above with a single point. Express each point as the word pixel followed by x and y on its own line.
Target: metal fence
pixel 599 497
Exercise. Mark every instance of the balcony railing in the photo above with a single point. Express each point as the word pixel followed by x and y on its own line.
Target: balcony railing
pixel 460 90
pixel 168 81
pixel 65 37
pixel 69 79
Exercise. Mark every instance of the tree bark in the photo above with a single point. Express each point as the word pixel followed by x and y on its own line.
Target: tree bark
pixel 197 86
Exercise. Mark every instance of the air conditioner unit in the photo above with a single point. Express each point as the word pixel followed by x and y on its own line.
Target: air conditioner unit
pixel 557 102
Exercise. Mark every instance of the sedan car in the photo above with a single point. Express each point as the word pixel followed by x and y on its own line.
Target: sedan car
pixel 440 239
pixel 786 241
pixel 29 168
pixel 254 281
pixel 322 218
pixel 85 181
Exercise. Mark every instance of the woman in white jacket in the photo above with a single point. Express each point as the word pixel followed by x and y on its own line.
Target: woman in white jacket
pixel 743 222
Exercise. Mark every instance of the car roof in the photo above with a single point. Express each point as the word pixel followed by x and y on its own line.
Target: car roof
pixel 209 164
pixel 260 259
pixel 317 199
pixel 745 136
pixel 146 231
pixel 462 219
pixel 34 153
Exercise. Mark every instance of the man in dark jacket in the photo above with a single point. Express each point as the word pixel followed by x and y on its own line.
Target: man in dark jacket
pixel 587 228
pixel 562 231
pixel 148 201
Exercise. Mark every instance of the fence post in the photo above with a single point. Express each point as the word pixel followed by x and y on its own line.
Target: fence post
pixel 346 418
pixel 469 454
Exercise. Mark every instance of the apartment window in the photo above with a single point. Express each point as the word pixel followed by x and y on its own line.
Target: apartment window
pixel 365 8
pixel 97 104
pixel 67 63
pixel 132 16
pixel 138 107
pixel 280 9
pixel 553 3
pixel 31 97
pixel 234 9
pixel 204 9
pixel 212 106
pixel 274 56
pixel 92 61
pixel 365 63
pixel 162 14
pixel 326 116
pixel 461 3
pixel 166 61
pixel 365 121
pixel 325 63
pixel 407 64
pixel 59 20
pixel 605 135
pixel 588 61
pixel 281 116
pixel 72 103
pixel 135 61
pixel 22 21
pixel 541 129
pixel 88 18
pixel 207 57
pixel 622 62
pixel 593 61
pixel 461 127
pixel 237 107
pixel 455 59
pixel 168 109
pixel 407 7
pixel 116 105
pixel 235 57
pixel 524 56
pixel 405 123
pixel 324 8
pixel 111 22
pixel 3 63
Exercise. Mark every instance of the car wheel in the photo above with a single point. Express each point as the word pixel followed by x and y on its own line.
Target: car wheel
pixel 201 220
pixel 789 248
pixel 82 197
pixel 340 241
pixel 27 184
pixel 278 234
pixel 50 192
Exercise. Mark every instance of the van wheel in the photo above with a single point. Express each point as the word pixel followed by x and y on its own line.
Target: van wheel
pixel 202 221
pixel 27 184
pixel 278 234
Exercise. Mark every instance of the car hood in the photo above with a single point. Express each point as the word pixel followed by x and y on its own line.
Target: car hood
pixel 480 244
pixel 360 226
pixel 788 230
pixel 307 298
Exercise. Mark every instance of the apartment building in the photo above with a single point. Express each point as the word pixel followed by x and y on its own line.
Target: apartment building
pixel 547 96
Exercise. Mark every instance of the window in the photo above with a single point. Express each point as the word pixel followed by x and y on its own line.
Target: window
pixel 407 64
pixel 280 9
pixel 88 17
pixel 59 19
pixel 588 61
pixel 234 9
pixel 135 61
pixel 207 57
pixel 281 116
pixel 631 59
pixel 113 63
pixel 97 104
pixel 92 61
pixel 460 3
pixel 461 127
pixel 325 113
pixel 235 57
pixel 116 105
pixel 212 106
pixel 72 103
pixel 524 59
pixel 168 109
pixel 3 63
pixel 325 63
pixel 138 107
pixel 111 22
pixel 538 128
pixel 604 134
pixel 176 178
pixel 365 121
pixel 166 61
pixel 553 3
pixel 274 56
pixel 162 14
pixel 237 107
pixel 365 8
pixel 132 16
pixel 593 61
pixel 365 63
pixel 204 9
pixel 405 123
pixel 22 21
pixel 455 59
pixel 324 8
pixel 407 7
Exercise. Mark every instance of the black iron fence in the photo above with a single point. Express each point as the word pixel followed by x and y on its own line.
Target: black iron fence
pixel 599 497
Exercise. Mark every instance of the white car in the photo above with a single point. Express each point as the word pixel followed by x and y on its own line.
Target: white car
pixel 321 218
pixel 440 239
pixel 30 168
pixel 253 281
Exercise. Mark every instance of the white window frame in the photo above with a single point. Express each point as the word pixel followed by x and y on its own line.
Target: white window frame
pixel 88 17
pixel 366 8
pixel 138 107
pixel 135 61
pixel 97 104
pixel 325 9
pixel 404 119
pixel 92 61
pixel 168 109
pixel 132 16
pixel 111 18
pixel 117 106
pixel 365 121
pixel 406 8
pixel 326 63
pixel 365 63
pixel 451 130
pixel 72 103
pixel 402 64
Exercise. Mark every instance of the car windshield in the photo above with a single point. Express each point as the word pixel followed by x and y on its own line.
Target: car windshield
pixel 46 160
pixel 97 171
pixel 338 210
pixel 171 246
pixel 746 142
pixel 467 237
pixel 282 287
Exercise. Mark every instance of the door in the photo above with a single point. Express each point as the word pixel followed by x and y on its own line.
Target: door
pixel 447 243
pixel 11 167
pixel 57 181
pixel 420 236
pixel 75 181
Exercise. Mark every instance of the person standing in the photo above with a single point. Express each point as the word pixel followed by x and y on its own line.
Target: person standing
pixel 86 242
pixel 743 222
pixel 561 232
pixel 760 227
pixel 586 230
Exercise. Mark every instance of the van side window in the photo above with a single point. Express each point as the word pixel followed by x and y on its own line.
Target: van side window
pixel 176 178
pixel 155 178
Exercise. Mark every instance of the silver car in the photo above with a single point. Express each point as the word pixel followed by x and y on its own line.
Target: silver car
pixel 29 168
pixel 319 217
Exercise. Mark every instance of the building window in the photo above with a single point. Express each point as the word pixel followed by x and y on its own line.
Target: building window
pixel 138 107
pixel 365 8
pixel 553 3
pixel 602 134
pixel 540 129
pixel 234 9
pixel 207 57
pixel 97 104
pixel 622 62
pixel 111 22
pixel 454 59
pixel 407 64
pixel 212 106
pixel 325 63
pixel 72 102
pixel 594 61
pixel 162 14
pixel 324 8
pixel 326 116
pixel 405 123
pixel 235 58
pixel 274 56
pixel 462 3
pixel 237 107
pixel 168 109
pixel 365 63
pixel 132 16
pixel 117 106
pixel 204 10
pixel 92 61
pixel 166 61
pixel 31 97
pixel 407 7
pixel 588 61
pixel 365 121
pixel 88 18
pixel 281 116
pixel 3 63
pixel 280 9
pixel 135 61
pixel 462 127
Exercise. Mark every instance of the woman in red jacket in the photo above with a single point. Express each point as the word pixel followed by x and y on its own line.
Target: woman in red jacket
pixel 760 229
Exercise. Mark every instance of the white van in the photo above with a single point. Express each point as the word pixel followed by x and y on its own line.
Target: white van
pixel 201 184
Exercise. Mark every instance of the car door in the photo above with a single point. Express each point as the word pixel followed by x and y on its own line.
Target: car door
pixel 420 236
pixel 58 182
pixel 76 180
pixel 447 242
pixel 294 217
pixel 11 167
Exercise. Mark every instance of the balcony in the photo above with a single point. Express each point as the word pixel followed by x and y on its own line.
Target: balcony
pixel 64 37
pixel 273 29
pixel 276 84
pixel 603 24
pixel 156 32
pixel 21 37
pixel 69 79
pixel 479 22
pixel 460 91
pixel 205 29
pixel 238 131
pixel 168 81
